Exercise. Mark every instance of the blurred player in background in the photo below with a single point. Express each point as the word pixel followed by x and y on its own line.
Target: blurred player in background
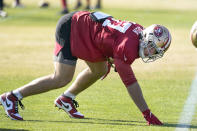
pixel 43 4
pixel 2 12
pixel 98 5
pixel 102 42
pixel 193 34
pixel 17 4
pixel 79 4
pixel 64 7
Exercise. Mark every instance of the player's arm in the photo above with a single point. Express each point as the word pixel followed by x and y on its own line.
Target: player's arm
pixel 134 90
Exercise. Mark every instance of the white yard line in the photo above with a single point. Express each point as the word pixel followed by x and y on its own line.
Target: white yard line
pixel 189 108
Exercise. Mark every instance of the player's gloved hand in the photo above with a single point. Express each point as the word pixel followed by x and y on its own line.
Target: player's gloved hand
pixel 151 118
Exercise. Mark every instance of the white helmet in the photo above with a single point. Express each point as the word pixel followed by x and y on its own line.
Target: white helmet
pixel 193 34
pixel 154 36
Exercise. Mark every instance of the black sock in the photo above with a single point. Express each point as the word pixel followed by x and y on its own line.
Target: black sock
pixel 17 2
pixel 1 4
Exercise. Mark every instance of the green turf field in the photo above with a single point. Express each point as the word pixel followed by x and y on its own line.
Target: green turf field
pixel 26 49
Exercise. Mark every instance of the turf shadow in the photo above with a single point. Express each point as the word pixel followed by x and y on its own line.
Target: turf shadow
pixel 180 125
pixel 97 121
pixel 109 120
pixel 116 122
pixel 4 129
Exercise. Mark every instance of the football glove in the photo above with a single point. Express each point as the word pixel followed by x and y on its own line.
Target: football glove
pixel 151 118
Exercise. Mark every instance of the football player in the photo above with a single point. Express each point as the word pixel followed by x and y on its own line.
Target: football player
pixel 2 12
pixel 64 7
pixel 17 4
pixel 78 5
pixel 102 42
pixel 43 4
pixel 98 5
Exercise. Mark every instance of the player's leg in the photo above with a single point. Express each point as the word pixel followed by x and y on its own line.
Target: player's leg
pixel 88 5
pixel 43 4
pixel 17 4
pixel 62 76
pixel 86 78
pixel 78 5
pixel 64 69
pixel 64 7
pixel 1 5
pixel 2 13
pixel 98 5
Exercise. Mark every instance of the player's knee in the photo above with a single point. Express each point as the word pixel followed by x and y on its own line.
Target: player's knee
pixel 103 72
pixel 100 73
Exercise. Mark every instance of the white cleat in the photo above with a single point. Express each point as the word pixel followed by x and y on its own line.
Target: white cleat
pixel 3 14
pixel 10 105
pixel 69 106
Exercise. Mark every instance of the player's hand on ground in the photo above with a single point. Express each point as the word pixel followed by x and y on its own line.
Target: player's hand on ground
pixel 151 118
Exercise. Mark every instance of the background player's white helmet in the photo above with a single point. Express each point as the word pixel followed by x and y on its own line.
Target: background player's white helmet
pixel 193 34
pixel 154 36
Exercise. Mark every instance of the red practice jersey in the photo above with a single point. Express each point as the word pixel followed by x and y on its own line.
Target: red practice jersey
pixel 95 41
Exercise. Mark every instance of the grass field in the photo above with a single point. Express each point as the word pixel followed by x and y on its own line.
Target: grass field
pixel 26 49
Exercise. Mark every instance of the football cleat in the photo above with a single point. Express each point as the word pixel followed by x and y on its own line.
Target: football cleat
pixel 3 14
pixel 17 5
pixel 69 106
pixel 78 6
pixel 87 7
pixel 43 4
pixel 98 6
pixel 10 104
pixel 151 118
pixel 64 11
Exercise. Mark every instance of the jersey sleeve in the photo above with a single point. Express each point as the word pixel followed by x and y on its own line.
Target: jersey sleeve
pixel 127 49
pixel 125 72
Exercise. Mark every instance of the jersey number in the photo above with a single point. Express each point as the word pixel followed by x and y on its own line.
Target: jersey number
pixel 121 26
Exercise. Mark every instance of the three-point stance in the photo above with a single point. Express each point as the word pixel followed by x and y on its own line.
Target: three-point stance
pixel 101 41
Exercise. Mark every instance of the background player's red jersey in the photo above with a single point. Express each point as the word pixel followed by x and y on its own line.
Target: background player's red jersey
pixel 95 41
